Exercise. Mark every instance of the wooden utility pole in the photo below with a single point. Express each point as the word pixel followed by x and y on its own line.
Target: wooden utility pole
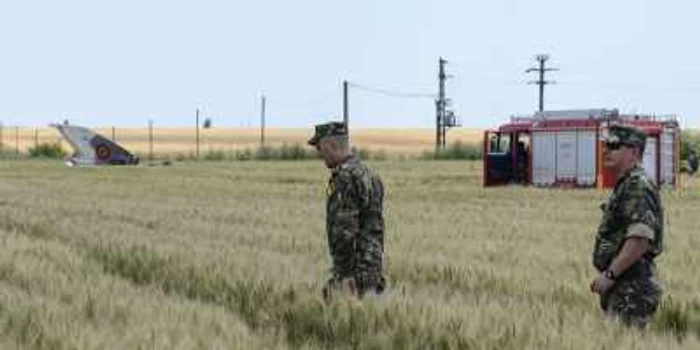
pixel 262 121
pixel 150 140
pixel 346 116
pixel 197 133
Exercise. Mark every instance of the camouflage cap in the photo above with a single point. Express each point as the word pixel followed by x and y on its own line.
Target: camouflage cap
pixel 626 134
pixel 328 129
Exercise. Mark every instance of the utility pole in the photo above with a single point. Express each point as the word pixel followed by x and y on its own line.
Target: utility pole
pixel 345 107
pixel 542 58
pixel 197 134
pixel 262 121
pixel 444 119
pixel 439 105
pixel 150 140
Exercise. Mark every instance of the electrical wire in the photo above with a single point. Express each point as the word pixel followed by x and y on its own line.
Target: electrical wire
pixel 391 93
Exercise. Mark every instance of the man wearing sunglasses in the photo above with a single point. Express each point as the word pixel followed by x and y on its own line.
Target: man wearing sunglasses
pixel 630 234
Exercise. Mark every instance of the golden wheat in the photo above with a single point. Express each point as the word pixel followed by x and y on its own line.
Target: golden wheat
pixel 183 140
pixel 232 255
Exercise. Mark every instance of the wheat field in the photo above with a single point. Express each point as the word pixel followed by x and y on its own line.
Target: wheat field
pixel 232 255
pixel 172 140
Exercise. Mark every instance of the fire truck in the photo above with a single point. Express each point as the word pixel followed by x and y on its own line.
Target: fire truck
pixel 564 149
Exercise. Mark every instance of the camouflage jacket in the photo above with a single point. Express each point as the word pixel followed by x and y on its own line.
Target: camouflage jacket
pixel 633 206
pixel 355 223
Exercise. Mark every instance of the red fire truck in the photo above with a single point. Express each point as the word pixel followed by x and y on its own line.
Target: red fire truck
pixel 563 149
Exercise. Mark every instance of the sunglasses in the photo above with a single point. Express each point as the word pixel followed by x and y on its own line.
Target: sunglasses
pixel 613 146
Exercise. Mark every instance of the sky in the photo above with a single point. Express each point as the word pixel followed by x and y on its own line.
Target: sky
pixel 121 63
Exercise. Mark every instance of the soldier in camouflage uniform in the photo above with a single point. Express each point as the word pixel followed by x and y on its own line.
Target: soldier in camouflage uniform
pixel 630 235
pixel 354 218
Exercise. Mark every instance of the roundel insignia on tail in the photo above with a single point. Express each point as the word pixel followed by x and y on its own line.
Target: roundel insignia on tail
pixel 103 152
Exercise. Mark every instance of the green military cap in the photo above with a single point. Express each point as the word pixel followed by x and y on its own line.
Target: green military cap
pixel 628 135
pixel 328 129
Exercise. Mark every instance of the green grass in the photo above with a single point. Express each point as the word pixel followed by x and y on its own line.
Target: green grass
pixel 233 255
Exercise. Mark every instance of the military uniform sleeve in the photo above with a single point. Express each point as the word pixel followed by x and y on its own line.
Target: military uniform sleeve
pixel 370 242
pixel 346 226
pixel 640 210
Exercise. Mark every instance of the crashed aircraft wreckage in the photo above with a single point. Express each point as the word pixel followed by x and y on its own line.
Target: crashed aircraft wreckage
pixel 92 148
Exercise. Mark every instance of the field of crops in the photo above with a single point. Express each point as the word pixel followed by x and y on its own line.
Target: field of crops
pixel 173 141
pixel 232 255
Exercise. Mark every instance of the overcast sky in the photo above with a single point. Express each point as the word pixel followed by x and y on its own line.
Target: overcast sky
pixel 123 62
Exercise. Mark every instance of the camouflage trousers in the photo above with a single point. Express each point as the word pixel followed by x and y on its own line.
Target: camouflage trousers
pixel 633 301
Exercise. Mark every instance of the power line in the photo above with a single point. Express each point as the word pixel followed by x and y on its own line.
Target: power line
pixel 391 93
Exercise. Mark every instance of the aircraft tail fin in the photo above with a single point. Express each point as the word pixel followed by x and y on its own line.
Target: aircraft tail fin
pixel 91 148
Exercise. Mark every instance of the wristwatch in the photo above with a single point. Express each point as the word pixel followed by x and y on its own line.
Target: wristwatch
pixel 609 275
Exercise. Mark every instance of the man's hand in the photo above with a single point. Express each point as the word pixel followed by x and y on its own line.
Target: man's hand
pixel 632 250
pixel 601 284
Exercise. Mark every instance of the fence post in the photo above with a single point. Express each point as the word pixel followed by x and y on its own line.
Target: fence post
pixel 150 140
pixel 197 132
